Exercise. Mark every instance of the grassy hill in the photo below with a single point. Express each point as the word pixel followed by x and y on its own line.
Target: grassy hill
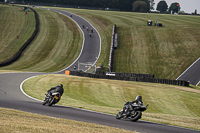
pixel 14 22
pixel 56 46
pixel 164 51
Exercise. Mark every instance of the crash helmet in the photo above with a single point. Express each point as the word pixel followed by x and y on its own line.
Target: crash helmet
pixel 60 85
pixel 139 98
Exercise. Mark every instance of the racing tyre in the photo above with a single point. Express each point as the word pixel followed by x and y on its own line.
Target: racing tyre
pixel 44 103
pixel 136 116
pixel 51 101
pixel 119 115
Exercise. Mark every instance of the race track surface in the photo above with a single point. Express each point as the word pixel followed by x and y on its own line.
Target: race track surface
pixel 192 74
pixel 91 45
pixel 12 97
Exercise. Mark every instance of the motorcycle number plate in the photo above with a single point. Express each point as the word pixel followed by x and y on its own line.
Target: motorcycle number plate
pixel 56 97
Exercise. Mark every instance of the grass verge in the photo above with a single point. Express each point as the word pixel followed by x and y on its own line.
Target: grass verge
pixel 57 45
pixel 108 96
pixel 23 122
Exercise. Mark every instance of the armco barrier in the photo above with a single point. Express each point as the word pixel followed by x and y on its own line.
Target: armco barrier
pixel 127 74
pixel 18 54
pixel 131 77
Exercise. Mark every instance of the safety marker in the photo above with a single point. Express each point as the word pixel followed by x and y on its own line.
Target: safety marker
pixel 67 72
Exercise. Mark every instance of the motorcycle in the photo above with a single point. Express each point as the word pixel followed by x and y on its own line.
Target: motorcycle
pixel 51 98
pixel 135 113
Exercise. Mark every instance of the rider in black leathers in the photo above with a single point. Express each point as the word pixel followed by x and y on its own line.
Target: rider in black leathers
pixel 58 88
pixel 138 100
pixel 130 108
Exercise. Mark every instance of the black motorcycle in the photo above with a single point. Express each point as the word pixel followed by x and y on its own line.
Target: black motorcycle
pixel 51 98
pixel 131 111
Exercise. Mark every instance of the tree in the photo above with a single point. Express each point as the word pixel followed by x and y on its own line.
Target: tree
pixel 152 3
pixel 148 4
pixel 174 8
pixel 125 5
pixel 195 12
pixel 162 6
pixel 140 6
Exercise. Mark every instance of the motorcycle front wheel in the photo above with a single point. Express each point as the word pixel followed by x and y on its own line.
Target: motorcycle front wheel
pixel 119 115
pixel 136 116
pixel 44 103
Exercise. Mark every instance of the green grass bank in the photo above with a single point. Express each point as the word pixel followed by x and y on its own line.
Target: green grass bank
pixel 16 28
pixel 57 45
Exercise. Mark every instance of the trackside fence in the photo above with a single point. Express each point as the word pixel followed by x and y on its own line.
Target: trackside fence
pixel 130 77
pixel 26 44
pixel 112 47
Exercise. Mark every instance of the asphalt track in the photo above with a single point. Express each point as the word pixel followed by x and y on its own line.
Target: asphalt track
pixel 192 74
pixel 12 97
pixel 91 45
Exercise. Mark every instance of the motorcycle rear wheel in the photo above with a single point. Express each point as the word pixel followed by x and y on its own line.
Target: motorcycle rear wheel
pixel 44 103
pixel 136 116
pixel 51 102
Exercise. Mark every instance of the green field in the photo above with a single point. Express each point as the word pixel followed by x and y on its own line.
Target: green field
pixel 168 104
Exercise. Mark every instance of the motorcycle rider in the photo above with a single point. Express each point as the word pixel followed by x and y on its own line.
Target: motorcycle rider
pixel 58 88
pixel 138 100
pixel 130 108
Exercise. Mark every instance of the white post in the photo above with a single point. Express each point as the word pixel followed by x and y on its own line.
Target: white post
pixel 156 22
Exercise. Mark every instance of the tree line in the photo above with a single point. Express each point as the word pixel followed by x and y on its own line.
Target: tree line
pixel 172 9
pixel 163 7
pixel 123 5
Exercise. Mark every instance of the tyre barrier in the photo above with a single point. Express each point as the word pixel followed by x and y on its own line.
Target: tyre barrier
pixel 131 77
pixel 26 44
pixel 110 63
